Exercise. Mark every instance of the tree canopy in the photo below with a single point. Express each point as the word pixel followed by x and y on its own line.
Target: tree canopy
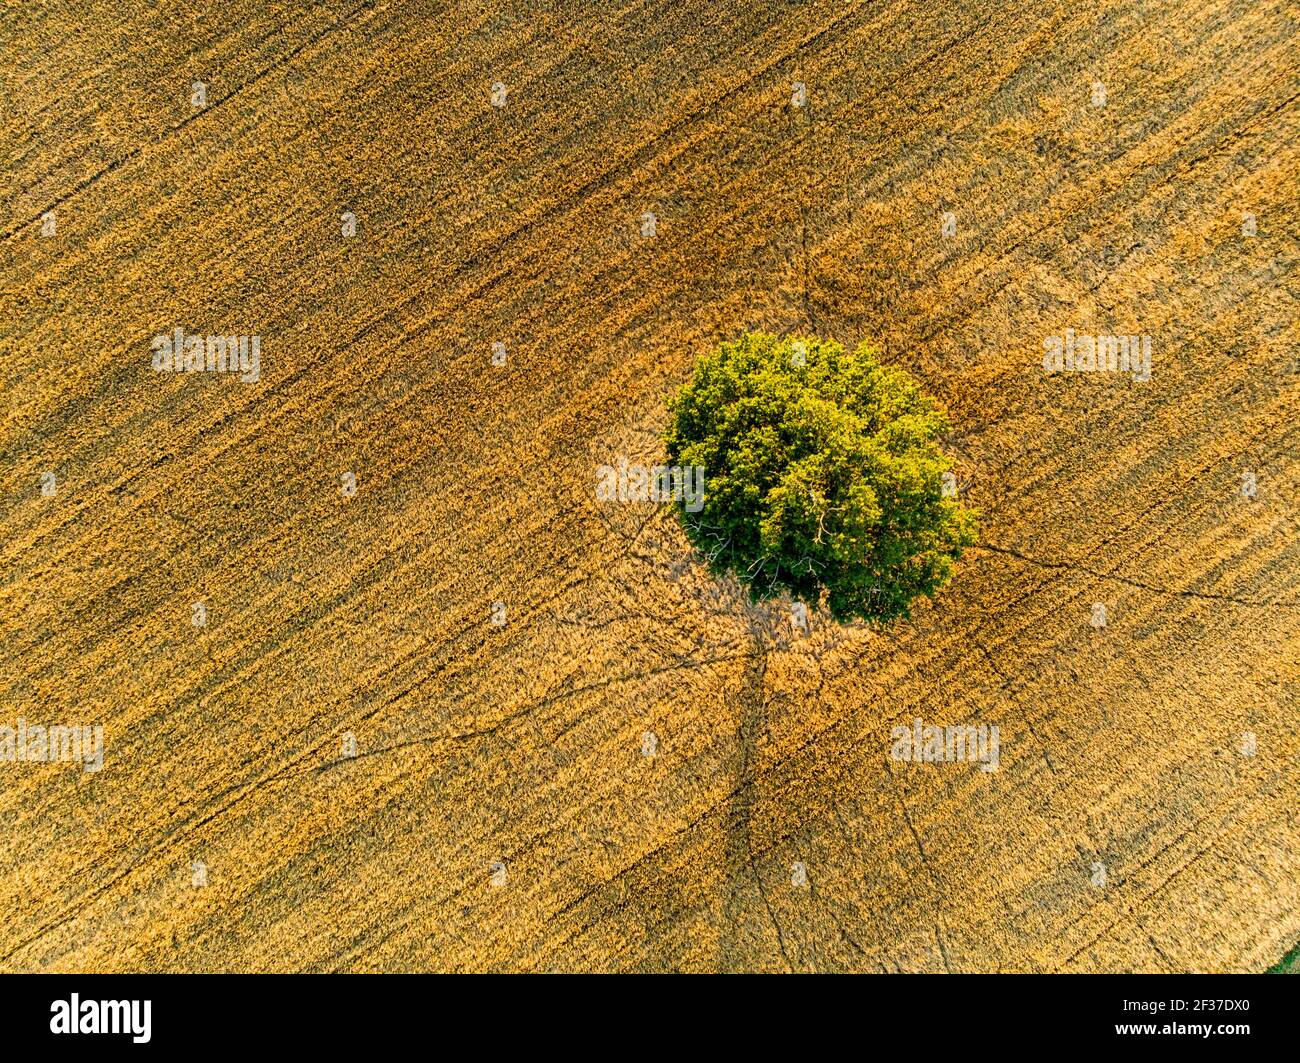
pixel 822 475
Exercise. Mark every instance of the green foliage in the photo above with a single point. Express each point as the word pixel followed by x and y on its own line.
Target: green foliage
pixel 821 473
pixel 1288 964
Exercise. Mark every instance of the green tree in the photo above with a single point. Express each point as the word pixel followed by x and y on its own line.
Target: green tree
pixel 821 474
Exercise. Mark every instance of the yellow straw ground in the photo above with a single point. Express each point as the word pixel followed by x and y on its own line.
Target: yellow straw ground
pixel 501 812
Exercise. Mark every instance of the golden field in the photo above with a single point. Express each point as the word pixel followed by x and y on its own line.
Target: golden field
pixel 501 812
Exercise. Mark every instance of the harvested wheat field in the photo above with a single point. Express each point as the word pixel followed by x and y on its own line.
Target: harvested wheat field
pixel 384 686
